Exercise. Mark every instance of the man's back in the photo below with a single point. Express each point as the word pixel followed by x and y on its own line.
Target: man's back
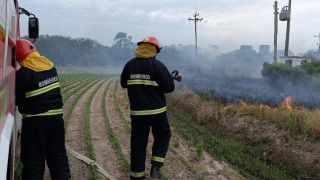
pixel 37 92
pixel 147 80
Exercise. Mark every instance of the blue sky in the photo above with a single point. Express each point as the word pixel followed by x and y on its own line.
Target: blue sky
pixel 227 23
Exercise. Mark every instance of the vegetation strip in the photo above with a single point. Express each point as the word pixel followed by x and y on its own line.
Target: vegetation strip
pixel 68 84
pixel 71 85
pixel 75 101
pixel 231 150
pixel 87 133
pixel 111 134
pixel 118 109
pixel 76 89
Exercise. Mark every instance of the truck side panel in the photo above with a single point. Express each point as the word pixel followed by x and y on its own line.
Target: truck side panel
pixel 8 35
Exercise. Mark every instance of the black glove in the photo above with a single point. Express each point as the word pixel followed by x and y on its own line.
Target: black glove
pixel 176 76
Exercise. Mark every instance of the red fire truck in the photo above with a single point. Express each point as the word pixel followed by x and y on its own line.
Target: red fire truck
pixel 9 124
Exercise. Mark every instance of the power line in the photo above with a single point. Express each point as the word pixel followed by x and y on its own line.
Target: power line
pixel 196 19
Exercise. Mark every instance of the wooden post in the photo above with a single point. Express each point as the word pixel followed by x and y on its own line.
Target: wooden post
pixel 196 19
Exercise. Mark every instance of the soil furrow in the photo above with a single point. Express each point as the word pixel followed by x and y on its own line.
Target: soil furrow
pixel 117 123
pixel 75 136
pixel 106 156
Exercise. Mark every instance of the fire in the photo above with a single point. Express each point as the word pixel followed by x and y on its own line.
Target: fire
pixel 288 103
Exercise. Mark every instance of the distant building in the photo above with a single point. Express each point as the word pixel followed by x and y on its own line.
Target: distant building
pixel 246 48
pixel 264 49
pixel 293 61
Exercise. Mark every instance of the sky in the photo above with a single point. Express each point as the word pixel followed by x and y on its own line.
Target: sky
pixel 227 23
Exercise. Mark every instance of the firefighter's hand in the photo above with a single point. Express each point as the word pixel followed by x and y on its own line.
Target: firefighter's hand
pixel 176 76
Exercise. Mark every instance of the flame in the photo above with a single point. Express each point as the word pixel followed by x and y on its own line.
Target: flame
pixel 288 103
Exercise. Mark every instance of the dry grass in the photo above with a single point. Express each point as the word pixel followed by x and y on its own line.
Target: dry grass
pixel 299 120
pixel 312 121
pixel 286 138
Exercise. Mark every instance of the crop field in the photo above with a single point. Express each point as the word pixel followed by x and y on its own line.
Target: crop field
pixel 210 139
pixel 97 124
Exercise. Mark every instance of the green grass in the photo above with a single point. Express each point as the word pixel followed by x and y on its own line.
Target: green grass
pixel 111 134
pixel 66 95
pixel 70 85
pixel 75 101
pixel 66 84
pixel 18 171
pixel 87 133
pixel 226 149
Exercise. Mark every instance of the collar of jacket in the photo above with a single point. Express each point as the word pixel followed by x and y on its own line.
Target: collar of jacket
pixel 146 50
pixel 36 62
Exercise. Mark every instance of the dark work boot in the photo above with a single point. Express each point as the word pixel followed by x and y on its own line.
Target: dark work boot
pixel 155 172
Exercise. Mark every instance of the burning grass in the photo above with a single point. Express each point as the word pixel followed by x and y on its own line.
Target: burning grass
pixel 285 137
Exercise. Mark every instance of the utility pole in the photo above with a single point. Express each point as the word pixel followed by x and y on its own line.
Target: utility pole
pixel 276 14
pixel 196 19
pixel 318 36
pixel 286 52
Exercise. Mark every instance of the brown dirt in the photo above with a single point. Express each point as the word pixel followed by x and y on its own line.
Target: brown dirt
pixel 75 137
pixel 207 165
pixel 105 154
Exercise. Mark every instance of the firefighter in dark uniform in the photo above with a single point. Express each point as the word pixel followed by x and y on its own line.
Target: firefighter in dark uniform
pixel 147 80
pixel 39 100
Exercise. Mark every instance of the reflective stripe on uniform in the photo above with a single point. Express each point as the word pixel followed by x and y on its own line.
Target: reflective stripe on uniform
pixel 48 113
pixel 149 112
pixel 157 159
pixel 142 82
pixel 42 90
pixel 137 174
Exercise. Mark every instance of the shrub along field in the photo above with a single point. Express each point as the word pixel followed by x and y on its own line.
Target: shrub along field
pixel 263 142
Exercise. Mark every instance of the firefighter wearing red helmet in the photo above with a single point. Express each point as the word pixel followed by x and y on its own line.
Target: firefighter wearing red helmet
pixel 147 81
pixel 39 100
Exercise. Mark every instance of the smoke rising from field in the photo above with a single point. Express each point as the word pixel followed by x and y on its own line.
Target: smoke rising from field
pixel 232 76
pixel 236 76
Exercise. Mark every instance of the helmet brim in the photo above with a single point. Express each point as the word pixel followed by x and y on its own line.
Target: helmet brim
pixel 158 48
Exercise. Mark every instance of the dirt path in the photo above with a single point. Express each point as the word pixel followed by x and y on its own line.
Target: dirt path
pixel 182 161
pixel 105 153
pixel 75 136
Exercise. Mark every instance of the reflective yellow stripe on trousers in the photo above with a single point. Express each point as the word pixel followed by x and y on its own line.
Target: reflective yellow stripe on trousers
pixel 149 112
pixel 42 90
pixel 157 159
pixel 137 175
pixel 142 82
pixel 48 113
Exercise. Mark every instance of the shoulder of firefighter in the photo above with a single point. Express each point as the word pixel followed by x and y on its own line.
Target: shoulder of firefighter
pixel 147 81
pixel 38 93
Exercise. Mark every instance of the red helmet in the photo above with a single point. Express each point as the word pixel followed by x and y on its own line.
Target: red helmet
pixel 23 49
pixel 152 40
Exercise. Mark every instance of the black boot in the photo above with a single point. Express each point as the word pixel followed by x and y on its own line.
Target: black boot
pixel 155 172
